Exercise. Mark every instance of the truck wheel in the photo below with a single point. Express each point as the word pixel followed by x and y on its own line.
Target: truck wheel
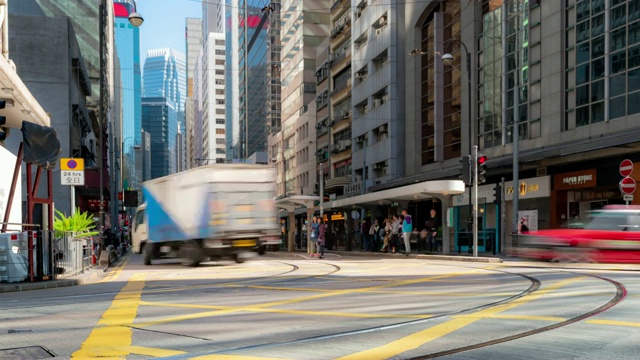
pixel 239 258
pixel 147 252
pixel 191 254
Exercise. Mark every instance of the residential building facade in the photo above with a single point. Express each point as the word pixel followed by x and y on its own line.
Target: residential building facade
pixel 213 99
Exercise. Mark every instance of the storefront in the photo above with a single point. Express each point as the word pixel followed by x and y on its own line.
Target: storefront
pixel 533 204
pixel 488 221
pixel 574 194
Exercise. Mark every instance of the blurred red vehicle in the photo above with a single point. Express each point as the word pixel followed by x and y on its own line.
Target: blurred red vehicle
pixel 611 235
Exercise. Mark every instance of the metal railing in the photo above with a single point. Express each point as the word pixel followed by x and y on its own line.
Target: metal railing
pixel 72 255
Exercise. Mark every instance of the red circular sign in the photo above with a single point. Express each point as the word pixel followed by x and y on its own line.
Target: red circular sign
pixel 626 167
pixel 72 164
pixel 628 185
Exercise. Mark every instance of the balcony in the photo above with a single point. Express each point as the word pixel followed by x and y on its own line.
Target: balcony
pixel 337 182
pixel 341 146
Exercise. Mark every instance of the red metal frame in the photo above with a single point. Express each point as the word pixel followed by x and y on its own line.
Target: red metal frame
pixel 32 199
pixel 14 183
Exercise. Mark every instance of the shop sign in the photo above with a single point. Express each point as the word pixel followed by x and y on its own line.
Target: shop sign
pixel 575 180
pixel 529 188
pixel 338 216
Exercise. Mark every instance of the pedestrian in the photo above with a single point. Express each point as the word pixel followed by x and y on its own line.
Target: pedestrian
pixel 321 238
pixel 432 230
pixel 407 228
pixel 365 234
pixel 385 233
pixel 313 228
pixel 373 236
pixel 395 230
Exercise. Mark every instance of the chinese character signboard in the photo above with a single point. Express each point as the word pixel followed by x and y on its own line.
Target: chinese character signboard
pixel 72 171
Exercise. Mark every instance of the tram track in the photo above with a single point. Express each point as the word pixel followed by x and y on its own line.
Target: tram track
pixel 535 284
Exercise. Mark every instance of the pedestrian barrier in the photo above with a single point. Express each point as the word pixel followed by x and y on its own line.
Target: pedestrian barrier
pixel 72 255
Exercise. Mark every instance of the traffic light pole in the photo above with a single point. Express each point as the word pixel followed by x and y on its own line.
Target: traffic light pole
pixel 475 201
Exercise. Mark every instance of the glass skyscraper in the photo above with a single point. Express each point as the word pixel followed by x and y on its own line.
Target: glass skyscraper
pixel 159 118
pixel 165 93
pixel 127 39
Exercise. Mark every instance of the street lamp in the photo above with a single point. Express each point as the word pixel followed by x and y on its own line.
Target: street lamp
pixel 448 58
pixel 135 19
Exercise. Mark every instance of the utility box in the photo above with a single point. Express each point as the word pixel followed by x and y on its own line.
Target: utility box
pixel 14 257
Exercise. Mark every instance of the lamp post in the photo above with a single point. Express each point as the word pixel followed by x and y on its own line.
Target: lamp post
pixel 473 218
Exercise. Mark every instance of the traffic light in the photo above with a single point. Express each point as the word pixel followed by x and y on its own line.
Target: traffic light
pixel 482 169
pixel 130 198
pixel 3 122
pixel 466 177
pixel 497 194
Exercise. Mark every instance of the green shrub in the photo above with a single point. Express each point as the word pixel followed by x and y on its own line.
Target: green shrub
pixel 80 224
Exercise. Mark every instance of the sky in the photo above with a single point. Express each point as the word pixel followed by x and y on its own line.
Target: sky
pixel 164 22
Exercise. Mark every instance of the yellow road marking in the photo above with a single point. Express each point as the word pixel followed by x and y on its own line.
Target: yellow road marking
pixel 420 338
pixel 114 324
pixel 516 317
pixel 230 357
pixel 115 273
pixel 614 323
pixel 283 311
pixel 155 352
pixel 304 298
pixel 432 293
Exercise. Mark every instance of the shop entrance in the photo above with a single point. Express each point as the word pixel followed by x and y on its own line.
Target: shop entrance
pixel 488 228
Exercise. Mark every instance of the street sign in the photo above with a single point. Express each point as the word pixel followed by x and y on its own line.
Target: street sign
pixel 628 185
pixel 72 164
pixel 627 197
pixel 626 167
pixel 73 178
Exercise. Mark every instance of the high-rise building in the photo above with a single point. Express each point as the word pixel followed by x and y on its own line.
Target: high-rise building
pixel 159 118
pixel 193 39
pixel 304 27
pixel 274 71
pixel 232 81
pixel 213 117
pixel 127 39
pixel 254 60
pixel 165 73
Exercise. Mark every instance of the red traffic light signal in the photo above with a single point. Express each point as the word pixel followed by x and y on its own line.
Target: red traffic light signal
pixel 482 159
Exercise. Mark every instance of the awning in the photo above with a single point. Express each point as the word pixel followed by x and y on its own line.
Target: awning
pixel 419 191
pixel 20 103
pixel 290 203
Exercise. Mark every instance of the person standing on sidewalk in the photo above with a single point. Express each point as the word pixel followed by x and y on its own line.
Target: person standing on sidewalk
pixel 365 234
pixel 432 231
pixel 321 238
pixel 314 237
pixel 407 228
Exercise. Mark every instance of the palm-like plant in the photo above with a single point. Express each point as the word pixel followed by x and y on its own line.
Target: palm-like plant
pixel 80 224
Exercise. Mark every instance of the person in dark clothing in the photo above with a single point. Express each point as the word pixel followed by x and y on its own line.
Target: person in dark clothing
pixel 432 230
pixel 321 238
pixel 366 227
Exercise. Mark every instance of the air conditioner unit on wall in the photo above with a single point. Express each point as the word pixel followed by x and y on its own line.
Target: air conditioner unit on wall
pixel 378 31
pixel 376 103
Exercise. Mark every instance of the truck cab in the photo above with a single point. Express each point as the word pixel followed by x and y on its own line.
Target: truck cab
pixel 139 229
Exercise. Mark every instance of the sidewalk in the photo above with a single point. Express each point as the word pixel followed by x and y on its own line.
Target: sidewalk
pixel 90 276
pixel 486 258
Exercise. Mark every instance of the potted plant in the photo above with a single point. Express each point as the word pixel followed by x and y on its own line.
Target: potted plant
pixel 80 225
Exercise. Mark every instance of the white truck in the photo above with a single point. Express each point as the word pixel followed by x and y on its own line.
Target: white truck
pixel 214 211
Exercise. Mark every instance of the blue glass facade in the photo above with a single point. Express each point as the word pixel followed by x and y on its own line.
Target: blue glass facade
pixel 127 39
pixel 165 76
pixel 160 119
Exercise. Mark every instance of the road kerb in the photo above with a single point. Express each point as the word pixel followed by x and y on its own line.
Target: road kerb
pixel 460 258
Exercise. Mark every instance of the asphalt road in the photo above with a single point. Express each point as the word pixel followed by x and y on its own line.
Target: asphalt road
pixel 285 307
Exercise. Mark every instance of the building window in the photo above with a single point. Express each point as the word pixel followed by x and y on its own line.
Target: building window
pixel 220 52
pixel 450 134
pixel 221 141
pixel 220 132
pixel 342 168
pixel 220 121
pixel 603 84
pixel 220 101
pixel 219 111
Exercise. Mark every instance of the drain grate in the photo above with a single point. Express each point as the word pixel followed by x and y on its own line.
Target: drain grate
pixel 30 352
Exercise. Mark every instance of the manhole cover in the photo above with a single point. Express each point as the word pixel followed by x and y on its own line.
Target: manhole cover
pixel 31 352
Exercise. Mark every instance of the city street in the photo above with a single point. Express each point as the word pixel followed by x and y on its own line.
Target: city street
pixel 282 306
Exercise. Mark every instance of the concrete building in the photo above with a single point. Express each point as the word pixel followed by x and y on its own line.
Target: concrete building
pixel 193 40
pixel 274 70
pixel 293 148
pixel 61 87
pixel 232 79
pixel 213 99
pixel 25 109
